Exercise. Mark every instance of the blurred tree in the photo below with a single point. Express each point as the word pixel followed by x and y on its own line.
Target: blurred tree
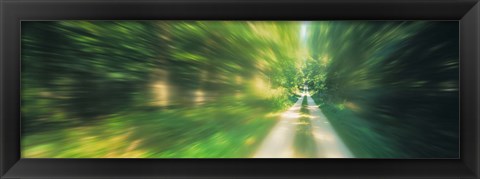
pixel 400 77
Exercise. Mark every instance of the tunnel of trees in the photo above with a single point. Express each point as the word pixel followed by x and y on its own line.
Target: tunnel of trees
pixel 215 88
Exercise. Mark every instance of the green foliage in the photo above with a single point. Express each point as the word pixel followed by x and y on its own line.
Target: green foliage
pixel 215 88
pixel 95 78
pixel 399 78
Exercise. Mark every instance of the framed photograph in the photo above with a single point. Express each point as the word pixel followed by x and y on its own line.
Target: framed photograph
pixel 240 89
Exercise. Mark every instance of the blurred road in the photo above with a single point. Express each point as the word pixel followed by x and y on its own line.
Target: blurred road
pixel 329 144
pixel 280 141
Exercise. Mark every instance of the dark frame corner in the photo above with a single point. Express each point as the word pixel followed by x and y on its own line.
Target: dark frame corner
pixel 467 12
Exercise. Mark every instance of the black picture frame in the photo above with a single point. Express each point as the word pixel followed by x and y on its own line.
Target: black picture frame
pixel 467 12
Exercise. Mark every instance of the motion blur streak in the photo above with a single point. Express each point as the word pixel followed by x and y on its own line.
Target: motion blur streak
pixel 240 89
